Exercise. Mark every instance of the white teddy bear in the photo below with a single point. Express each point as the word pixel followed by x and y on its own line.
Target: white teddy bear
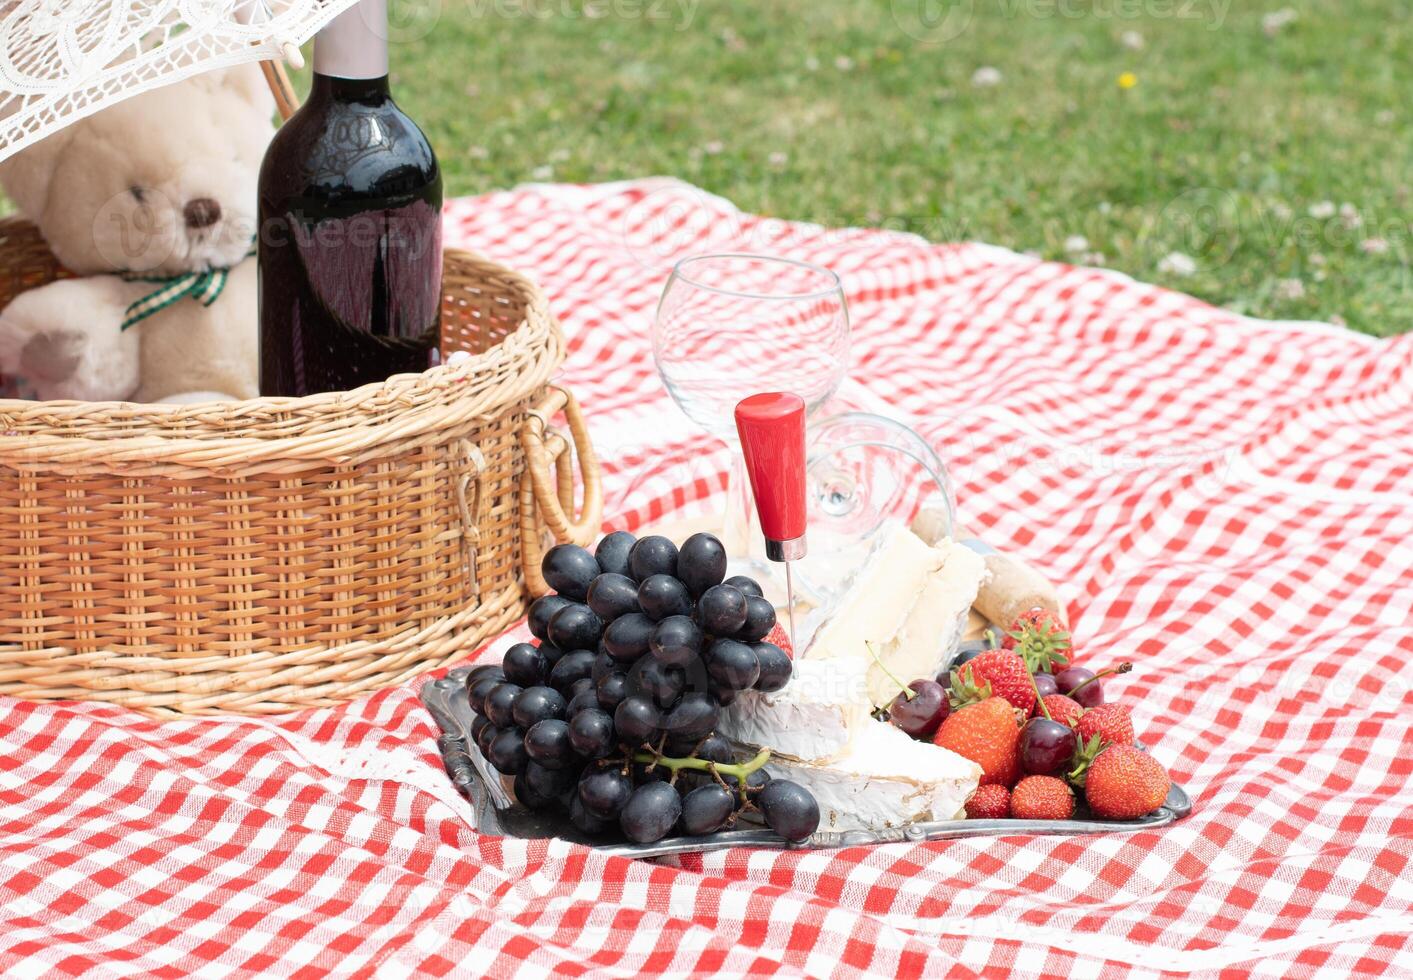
pixel 151 203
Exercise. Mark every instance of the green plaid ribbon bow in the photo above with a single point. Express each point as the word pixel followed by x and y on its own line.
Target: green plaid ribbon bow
pixel 204 287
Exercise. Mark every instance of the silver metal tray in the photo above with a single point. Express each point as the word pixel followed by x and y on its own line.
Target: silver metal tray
pixel 497 812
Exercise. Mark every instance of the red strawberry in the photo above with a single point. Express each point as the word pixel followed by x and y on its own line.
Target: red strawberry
pixel 1042 798
pixel 990 802
pixel 1109 722
pixel 988 734
pixel 780 638
pixel 1125 783
pixel 1063 709
pixel 995 673
pixel 1040 640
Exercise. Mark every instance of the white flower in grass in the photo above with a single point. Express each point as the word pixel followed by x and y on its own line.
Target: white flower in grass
pixel 1177 264
pixel 478 152
pixel 1338 320
pixel 1349 214
pixel 1092 258
pixel 713 148
pixel 1131 40
pixel 1277 20
pixel 1105 207
pixel 1384 117
pixel 1374 246
pixel 1318 260
pixel 986 76
pixel 778 159
pixel 1290 289
pixel 811 63
pixel 542 173
pixel 844 63
pixel 1076 244
pixel 1321 210
pixel 1281 211
pixel 559 156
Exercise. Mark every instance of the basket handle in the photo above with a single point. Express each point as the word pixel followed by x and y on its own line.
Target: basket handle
pixel 547 488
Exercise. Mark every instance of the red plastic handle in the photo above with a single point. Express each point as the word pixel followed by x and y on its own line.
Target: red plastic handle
pixel 772 429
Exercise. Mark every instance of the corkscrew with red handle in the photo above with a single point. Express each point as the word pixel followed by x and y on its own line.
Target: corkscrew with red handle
pixel 772 430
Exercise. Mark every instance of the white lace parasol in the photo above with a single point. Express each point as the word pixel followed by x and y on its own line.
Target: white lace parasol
pixel 61 60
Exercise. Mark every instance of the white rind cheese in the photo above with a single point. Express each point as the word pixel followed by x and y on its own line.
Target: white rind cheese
pixel 887 779
pixel 908 604
pixel 814 718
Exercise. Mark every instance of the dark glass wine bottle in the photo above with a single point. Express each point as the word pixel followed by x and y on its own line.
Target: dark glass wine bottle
pixel 349 237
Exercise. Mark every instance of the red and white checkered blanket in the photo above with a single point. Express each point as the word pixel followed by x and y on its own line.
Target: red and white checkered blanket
pixel 1229 502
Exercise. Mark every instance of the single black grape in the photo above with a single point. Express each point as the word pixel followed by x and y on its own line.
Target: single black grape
pixel 478 689
pixel 677 641
pixel 569 569
pixel 499 702
pixel 525 665
pixel 507 751
pixel 579 687
pixel 611 689
pixel 760 618
pixel 732 664
pixel 612 595
pixel 701 562
pixel 570 668
pixel 542 610
pixel 775 667
pixel 551 783
pixel 591 733
pixel 707 809
pixel 529 798
pixel 716 749
pixel 660 596
pixel 612 552
pixel 636 720
pixel 694 717
pixel 658 681
pixel 536 704
pixel 653 555
pixel 788 809
pixel 547 742
pixel 485 737
pixel 650 813
pixel 581 702
pixel 604 791
pixel 745 585
pixel 575 627
pixel 721 611
pixel 628 637
pixel 585 821
pixel 477 724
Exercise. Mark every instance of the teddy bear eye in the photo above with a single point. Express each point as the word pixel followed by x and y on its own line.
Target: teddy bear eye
pixel 138 193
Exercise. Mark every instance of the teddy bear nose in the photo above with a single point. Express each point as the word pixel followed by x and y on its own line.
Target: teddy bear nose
pixel 201 212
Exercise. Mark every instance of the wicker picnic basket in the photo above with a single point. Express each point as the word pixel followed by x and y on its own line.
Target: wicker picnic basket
pixel 275 554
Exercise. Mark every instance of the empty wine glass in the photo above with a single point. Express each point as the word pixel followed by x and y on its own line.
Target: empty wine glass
pixel 732 325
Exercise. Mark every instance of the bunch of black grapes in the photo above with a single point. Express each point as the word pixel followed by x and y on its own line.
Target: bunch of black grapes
pixel 612 714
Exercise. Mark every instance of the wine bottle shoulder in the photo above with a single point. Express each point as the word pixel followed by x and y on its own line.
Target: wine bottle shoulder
pixel 335 151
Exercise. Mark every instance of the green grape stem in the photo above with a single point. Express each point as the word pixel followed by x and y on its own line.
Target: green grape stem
pixel 908 692
pixel 739 770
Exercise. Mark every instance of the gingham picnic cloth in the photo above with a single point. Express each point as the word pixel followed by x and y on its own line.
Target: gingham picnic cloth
pixel 1227 501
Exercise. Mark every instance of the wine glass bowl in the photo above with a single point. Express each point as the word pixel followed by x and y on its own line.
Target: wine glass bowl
pixel 731 325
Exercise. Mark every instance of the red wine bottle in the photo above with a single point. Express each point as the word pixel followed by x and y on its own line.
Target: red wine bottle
pixel 349 238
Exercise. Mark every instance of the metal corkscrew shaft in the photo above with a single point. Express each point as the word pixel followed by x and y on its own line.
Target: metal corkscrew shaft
pixel 772 430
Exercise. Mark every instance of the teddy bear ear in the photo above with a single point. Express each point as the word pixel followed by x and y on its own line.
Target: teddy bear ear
pixel 247 81
pixel 26 175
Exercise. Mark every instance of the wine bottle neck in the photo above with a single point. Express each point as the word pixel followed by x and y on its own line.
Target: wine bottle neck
pixel 354 45
pixel 370 91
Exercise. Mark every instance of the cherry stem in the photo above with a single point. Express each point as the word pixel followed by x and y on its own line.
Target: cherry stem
pixel 1038 699
pixel 909 692
pixel 1122 668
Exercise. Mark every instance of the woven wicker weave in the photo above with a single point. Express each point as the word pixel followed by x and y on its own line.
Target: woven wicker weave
pixel 273 554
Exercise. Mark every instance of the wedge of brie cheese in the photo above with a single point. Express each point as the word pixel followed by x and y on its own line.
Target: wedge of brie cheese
pixel 906 606
pixel 886 779
pixel 813 718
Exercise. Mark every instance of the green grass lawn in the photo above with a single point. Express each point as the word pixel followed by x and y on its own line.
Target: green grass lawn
pixel 1231 144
